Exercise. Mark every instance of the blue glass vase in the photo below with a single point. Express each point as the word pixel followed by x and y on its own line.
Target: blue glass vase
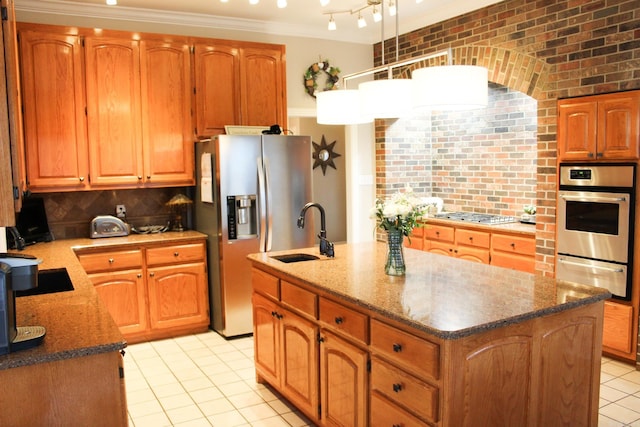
pixel 395 255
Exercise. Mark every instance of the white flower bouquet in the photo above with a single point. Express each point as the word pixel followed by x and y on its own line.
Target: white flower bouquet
pixel 400 213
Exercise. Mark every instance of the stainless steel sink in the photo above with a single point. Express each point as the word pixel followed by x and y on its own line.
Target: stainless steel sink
pixel 295 257
pixel 50 281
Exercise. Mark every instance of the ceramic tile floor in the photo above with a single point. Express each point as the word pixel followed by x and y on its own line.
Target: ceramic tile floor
pixel 205 380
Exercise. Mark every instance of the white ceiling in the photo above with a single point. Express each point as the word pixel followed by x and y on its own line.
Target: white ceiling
pixel 301 18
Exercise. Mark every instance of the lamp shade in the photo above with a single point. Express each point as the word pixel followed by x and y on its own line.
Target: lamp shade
pixel 450 87
pixel 340 107
pixel 386 98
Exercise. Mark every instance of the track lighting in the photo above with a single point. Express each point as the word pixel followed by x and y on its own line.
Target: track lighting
pixel 281 4
pixel 361 21
pixel 377 16
pixel 392 8
pixel 254 1
pixel 332 24
pixel 112 2
pixel 323 3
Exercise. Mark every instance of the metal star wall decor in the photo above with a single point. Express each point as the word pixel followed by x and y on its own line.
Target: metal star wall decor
pixel 323 155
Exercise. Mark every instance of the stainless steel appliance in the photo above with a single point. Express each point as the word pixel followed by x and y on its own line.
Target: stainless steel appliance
pixel 108 226
pixel 17 273
pixel 595 219
pixel 476 217
pixel 250 189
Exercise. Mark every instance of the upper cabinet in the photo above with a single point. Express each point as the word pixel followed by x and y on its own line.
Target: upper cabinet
pixel 599 127
pixel 238 83
pixel 54 111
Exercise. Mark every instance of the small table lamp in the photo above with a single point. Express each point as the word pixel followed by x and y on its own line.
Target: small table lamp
pixel 178 205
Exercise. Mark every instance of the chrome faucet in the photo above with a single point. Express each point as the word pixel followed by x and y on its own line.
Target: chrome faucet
pixel 326 247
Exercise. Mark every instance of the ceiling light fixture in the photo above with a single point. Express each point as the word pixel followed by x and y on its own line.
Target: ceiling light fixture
pixel 254 1
pixel 392 8
pixel 332 24
pixel 281 4
pixel 361 21
pixel 112 2
pixel 323 3
pixel 377 16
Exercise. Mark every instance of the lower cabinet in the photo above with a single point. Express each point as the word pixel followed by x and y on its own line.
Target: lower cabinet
pixel 618 335
pixel 152 291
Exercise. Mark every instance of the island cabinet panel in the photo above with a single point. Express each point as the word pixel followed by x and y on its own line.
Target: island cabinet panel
pixel 302 300
pixel 599 127
pixel 55 130
pixel 342 319
pixel 343 382
pixel 152 291
pixel 266 339
pixel 82 391
pixel 544 371
pixel 384 413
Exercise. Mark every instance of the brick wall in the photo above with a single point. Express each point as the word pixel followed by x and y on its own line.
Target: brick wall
pixel 545 49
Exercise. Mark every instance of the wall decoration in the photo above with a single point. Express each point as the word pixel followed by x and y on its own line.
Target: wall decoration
pixel 311 76
pixel 323 155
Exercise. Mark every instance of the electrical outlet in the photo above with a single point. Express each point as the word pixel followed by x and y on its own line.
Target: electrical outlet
pixel 121 211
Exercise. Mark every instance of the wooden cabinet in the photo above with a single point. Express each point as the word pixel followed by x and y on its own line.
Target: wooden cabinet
pixel 511 251
pixel 55 127
pixel 152 291
pixel 618 329
pixel 238 83
pixel 415 240
pixel 460 243
pixel 599 127
pixel 312 350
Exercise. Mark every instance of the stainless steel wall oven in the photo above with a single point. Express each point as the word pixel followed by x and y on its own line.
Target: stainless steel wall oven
pixel 595 221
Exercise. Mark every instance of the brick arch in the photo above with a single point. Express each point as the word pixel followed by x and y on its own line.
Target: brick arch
pixel 509 68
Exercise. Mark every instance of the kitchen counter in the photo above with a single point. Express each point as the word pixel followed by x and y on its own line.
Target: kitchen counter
pixel 511 227
pixel 77 323
pixel 442 296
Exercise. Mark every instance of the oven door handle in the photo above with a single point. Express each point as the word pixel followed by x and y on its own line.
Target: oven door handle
pixel 577 264
pixel 594 198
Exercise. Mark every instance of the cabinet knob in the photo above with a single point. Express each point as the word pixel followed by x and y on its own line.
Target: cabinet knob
pixel 139 275
pixel 438 233
pixel 397 387
pixel 81 179
pixel 139 177
pixel 152 274
pixel 111 260
pixel 148 176
pixel 513 245
pixel 471 239
pixel 397 347
pixel 176 254
pixel 339 320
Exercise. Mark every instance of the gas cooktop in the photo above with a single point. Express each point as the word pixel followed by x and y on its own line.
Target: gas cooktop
pixel 477 217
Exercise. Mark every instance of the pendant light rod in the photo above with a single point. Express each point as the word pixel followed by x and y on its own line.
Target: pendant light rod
pixel 390 67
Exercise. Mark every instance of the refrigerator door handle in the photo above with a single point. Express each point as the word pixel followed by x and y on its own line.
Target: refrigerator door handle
pixel 262 205
pixel 269 213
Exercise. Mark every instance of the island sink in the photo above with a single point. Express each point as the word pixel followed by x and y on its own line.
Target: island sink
pixel 50 281
pixel 295 258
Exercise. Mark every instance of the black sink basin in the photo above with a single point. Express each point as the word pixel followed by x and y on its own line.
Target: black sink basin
pixel 50 281
pixel 295 257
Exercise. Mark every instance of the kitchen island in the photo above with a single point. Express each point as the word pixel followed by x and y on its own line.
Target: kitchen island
pixel 76 376
pixel 452 343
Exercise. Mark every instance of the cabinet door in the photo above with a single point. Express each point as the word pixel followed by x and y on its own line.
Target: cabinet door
pixel 55 126
pixel 178 296
pixel 263 89
pixel 299 356
pixel 266 338
pixel 343 382
pixel 123 292
pixel 217 78
pixel 472 254
pixel 618 327
pixel 577 129
pixel 436 247
pixel 166 113
pixel 618 121
pixel 113 111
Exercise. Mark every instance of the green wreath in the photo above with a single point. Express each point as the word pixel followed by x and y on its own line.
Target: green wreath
pixel 311 75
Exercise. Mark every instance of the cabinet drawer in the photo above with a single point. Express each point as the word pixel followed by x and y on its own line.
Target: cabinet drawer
pixel 404 389
pixel 514 244
pixel 406 350
pixel 513 261
pixel 385 414
pixel 111 261
pixel 341 318
pixel 265 283
pixel 298 298
pixel 439 232
pixel 478 239
pixel 175 254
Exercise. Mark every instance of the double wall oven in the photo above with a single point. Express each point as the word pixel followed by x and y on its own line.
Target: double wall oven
pixel 595 221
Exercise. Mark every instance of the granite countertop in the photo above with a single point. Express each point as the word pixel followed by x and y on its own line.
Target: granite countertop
pixel 443 296
pixel 77 323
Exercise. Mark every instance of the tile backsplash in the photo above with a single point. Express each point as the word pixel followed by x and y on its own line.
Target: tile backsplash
pixel 70 213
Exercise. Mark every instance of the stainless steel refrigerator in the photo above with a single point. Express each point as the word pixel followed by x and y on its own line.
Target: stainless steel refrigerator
pixel 250 190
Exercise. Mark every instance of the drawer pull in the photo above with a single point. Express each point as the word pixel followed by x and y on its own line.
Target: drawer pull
pixel 111 260
pixel 397 348
pixel 276 315
pixel 471 238
pixel 397 387
pixel 396 425
pixel 139 275
pixel 139 177
pixel 513 245
pixel 339 320
pixel 176 254
pixel 81 179
pixel 152 274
